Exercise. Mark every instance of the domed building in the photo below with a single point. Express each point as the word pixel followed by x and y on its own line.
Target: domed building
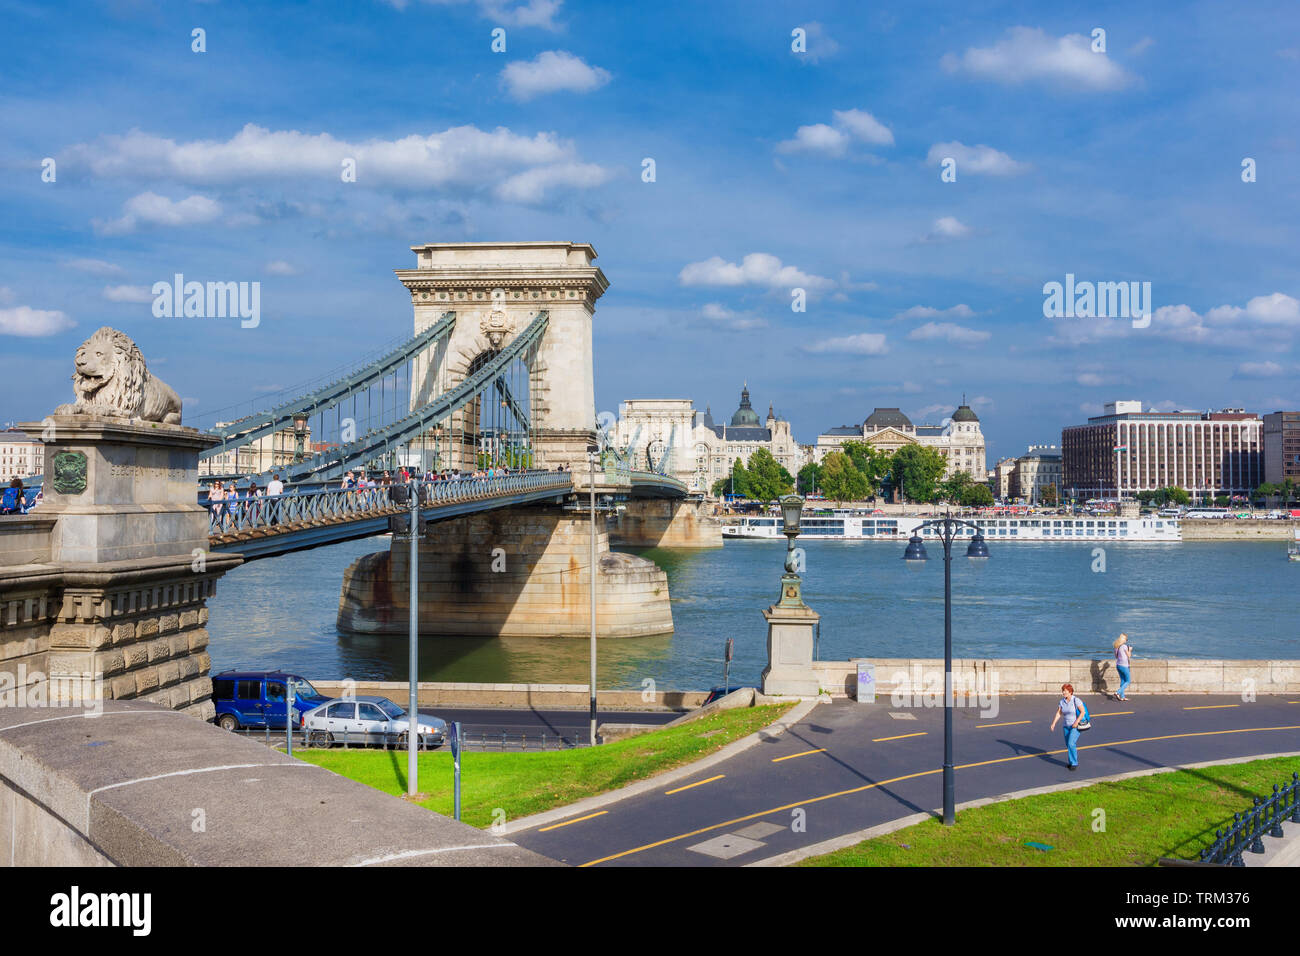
pixel 703 451
pixel 959 439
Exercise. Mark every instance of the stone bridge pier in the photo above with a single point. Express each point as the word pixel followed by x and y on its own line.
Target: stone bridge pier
pixel 666 523
pixel 521 572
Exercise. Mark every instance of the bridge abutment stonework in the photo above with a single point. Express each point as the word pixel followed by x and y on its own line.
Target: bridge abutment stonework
pixel 522 572
pixel 666 523
pixel 105 592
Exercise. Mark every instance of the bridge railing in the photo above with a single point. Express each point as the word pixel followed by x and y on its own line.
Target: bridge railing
pixel 268 512
pixel 1265 816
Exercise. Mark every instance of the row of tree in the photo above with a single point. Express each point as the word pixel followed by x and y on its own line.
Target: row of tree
pixel 861 471
pixel 764 480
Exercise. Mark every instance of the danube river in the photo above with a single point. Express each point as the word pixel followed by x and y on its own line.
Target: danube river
pixel 1210 599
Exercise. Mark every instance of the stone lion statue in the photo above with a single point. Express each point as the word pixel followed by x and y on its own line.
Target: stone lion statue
pixel 112 380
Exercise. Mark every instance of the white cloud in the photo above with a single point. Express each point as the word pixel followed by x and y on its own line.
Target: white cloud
pixel 1092 409
pixel 864 343
pixel 757 268
pixel 728 318
pixel 818 44
pixel 925 414
pixel 818 138
pixel 1259 370
pixel 128 293
pixel 959 311
pixel 528 13
pixel 949 331
pixel 835 140
pixel 96 267
pixel 1090 379
pixel 280 268
pixel 947 229
pixel 532 185
pixel 552 71
pixel 978 160
pixel 462 157
pixel 1141 46
pixel 864 126
pixel 1027 54
pixel 152 209
pixel 33 323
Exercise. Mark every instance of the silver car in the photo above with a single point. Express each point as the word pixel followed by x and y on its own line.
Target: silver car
pixel 367 720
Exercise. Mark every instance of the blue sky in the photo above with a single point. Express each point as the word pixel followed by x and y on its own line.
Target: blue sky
pixel 774 170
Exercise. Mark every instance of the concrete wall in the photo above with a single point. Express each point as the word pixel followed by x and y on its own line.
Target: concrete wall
pixel 519 572
pixel 143 786
pixel 522 696
pixel 1006 676
pixel 1237 529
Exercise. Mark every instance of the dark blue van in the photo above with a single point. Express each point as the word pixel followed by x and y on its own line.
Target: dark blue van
pixel 255 699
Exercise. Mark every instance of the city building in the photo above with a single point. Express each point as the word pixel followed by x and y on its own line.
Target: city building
pixel 267 453
pixel 1039 467
pixel 959 439
pixel 1000 478
pixel 21 455
pixel 1282 447
pixel 698 450
pixel 1206 453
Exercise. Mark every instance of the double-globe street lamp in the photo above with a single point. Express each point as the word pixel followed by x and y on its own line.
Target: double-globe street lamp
pixel 915 557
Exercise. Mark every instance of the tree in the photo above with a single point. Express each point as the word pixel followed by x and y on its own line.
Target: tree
pixel 952 489
pixel 767 480
pixel 841 479
pixel 976 496
pixel 1178 496
pixel 871 462
pixel 1049 495
pixel 917 470
pixel 810 478
pixel 737 483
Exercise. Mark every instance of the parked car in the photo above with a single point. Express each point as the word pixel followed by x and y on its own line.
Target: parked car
pixel 256 699
pixel 368 720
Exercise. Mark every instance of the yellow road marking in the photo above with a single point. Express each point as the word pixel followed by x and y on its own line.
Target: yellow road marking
pixel 556 826
pixel 879 740
pixel 912 776
pixel 1212 707
pixel 697 783
pixel 819 750
pixel 1010 723
pixel 1117 713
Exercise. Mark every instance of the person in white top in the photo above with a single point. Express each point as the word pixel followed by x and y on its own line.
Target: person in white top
pixel 1123 654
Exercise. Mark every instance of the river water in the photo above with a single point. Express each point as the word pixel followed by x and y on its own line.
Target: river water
pixel 1042 599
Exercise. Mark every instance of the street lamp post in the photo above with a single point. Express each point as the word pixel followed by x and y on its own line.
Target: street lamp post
pixel 915 557
pixel 591 460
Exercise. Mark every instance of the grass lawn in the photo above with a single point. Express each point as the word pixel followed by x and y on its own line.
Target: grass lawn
pixel 522 784
pixel 1164 815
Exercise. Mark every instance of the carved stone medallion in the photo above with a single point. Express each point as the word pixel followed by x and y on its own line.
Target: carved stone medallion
pixel 496 325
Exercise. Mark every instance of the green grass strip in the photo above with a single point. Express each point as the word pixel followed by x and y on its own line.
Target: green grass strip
pixel 1142 819
pixel 521 784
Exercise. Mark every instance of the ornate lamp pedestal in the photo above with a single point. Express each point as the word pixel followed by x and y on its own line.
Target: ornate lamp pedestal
pixel 791 624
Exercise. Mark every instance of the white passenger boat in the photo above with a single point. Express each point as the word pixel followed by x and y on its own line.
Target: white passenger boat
pixel 862 526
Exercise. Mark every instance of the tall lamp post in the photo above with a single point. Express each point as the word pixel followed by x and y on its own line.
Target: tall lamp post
pixel 592 451
pixel 915 557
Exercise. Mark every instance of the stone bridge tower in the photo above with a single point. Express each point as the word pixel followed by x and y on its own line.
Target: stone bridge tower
pixel 496 289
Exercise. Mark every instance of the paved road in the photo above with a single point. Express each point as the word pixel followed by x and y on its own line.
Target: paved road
pixel 848 766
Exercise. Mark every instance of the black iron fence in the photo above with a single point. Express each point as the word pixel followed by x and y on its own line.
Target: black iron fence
pixel 1264 817
pixel 471 740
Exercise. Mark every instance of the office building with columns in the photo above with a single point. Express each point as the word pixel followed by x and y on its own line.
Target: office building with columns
pixel 1126 448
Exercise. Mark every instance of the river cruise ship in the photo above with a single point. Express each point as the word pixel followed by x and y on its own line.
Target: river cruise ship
pixel 863 526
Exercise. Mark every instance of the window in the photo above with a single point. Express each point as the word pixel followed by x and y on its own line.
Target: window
pixel 369 712
pixel 223 689
pixel 275 690
pixel 343 710
pixel 250 690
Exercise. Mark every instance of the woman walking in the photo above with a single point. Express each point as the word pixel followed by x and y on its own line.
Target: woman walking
pixel 1074 712
pixel 1123 654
